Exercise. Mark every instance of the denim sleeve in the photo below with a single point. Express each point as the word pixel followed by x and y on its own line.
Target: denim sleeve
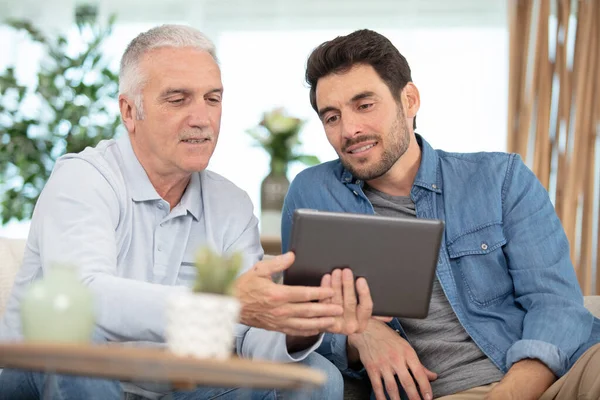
pixel 333 348
pixel 556 323
pixel 286 218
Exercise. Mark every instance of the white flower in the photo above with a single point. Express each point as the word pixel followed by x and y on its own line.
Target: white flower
pixel 277 122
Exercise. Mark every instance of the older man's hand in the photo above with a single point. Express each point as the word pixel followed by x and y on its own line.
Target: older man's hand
pixel 293 310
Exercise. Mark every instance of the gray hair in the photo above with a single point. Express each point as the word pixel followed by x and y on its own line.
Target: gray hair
pixel 131 78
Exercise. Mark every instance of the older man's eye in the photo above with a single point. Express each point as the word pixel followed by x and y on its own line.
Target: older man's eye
pixel 176 101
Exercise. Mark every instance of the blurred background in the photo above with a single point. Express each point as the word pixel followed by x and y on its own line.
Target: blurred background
pixel 478 65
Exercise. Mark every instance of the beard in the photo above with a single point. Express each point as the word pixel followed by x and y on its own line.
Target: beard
pixel 398 139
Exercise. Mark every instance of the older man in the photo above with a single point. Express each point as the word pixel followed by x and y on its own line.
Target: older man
pixel 132 212
pixel 506 318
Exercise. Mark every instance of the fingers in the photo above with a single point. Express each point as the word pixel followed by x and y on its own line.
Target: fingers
pixel 307 310
pixel 408 384
pixel 299 294
pixel 326 283
pixel 336 285
pixel 391 387
pixel 305 326
pixel 382 319
pixel 432 376
pixel 365 304
pixel 349 293
pixel 376 383
pixel 275 264
pixel 348 290
pixel 420 376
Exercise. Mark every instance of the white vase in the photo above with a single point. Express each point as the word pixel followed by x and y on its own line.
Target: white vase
pixel 201 324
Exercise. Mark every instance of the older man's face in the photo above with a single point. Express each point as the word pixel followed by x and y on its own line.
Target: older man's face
pixel 181 111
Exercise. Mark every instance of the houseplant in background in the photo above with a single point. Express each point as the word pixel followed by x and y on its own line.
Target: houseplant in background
pixel 278 135
pixel 201 320
pixel 72 105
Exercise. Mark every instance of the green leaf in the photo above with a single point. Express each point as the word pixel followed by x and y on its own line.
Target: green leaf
pixel 216 273
pixel 307 159
pixel 30 146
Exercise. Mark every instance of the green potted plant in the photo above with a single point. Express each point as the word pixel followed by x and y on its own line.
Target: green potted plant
pixel 201 320
pixel 278 135
pixel 74 97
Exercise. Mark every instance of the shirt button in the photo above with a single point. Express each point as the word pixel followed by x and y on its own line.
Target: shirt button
pixel 434 186
pixel 159 248
pixel 484 246
pixel 161 206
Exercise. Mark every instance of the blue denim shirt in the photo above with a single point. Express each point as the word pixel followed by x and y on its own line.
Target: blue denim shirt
pixel 504 261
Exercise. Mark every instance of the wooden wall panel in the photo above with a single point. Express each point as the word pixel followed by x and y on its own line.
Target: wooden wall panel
pixel 554 105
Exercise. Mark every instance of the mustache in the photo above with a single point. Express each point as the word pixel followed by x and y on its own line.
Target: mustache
pixel 359 139
pixel 196 134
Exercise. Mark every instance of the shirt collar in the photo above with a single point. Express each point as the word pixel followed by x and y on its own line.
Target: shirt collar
pixel 427 176
pixel 137 179
pixel 142 189
pixel 192 197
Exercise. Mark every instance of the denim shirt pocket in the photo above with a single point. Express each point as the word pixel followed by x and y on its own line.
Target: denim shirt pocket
pixel 479 259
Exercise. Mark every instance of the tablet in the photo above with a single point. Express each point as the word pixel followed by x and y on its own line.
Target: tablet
pixel 397 256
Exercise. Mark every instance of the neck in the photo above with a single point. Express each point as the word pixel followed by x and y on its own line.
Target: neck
pixel 168 187
pixel 398 181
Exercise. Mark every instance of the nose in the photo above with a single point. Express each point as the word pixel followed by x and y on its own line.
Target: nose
pixel 199 116
pixel 351 125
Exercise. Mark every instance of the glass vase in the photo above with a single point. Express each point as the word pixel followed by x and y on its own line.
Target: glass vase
pixel 272 193
pixel 58 308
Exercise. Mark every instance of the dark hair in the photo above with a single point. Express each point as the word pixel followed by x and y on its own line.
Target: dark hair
pixel 360 47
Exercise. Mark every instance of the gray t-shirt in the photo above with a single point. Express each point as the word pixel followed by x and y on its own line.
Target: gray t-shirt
pixel 441 342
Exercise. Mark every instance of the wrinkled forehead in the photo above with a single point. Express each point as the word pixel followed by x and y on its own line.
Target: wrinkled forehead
pixel 180 67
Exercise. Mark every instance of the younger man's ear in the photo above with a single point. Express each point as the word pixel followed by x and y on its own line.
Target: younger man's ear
pixel 411 100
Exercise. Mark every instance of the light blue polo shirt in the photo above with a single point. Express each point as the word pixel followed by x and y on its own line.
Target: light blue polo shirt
pixel 100 212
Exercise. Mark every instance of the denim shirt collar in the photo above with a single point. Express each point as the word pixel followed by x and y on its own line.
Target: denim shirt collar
pixel 143 190
pixel 427 175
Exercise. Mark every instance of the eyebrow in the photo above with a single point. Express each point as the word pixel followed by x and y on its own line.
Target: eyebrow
pixel 355 98
pixel 172 91
pixel 362 95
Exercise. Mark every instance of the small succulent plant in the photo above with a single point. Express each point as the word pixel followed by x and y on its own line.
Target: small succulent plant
pixel 216 273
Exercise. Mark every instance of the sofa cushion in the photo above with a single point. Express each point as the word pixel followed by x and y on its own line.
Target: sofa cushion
pixel 592 303
pixel 11 257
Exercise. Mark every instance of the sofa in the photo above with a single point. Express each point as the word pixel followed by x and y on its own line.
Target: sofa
pixel 11 256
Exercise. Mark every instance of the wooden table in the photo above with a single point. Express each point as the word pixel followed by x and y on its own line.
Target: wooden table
pixel 156 365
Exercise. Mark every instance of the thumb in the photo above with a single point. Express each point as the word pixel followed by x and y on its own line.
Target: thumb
pixel 275 264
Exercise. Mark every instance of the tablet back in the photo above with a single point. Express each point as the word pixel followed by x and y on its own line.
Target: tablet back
pixel 397 256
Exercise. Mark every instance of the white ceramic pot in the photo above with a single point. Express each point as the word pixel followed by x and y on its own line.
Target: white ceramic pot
pixel 202 324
